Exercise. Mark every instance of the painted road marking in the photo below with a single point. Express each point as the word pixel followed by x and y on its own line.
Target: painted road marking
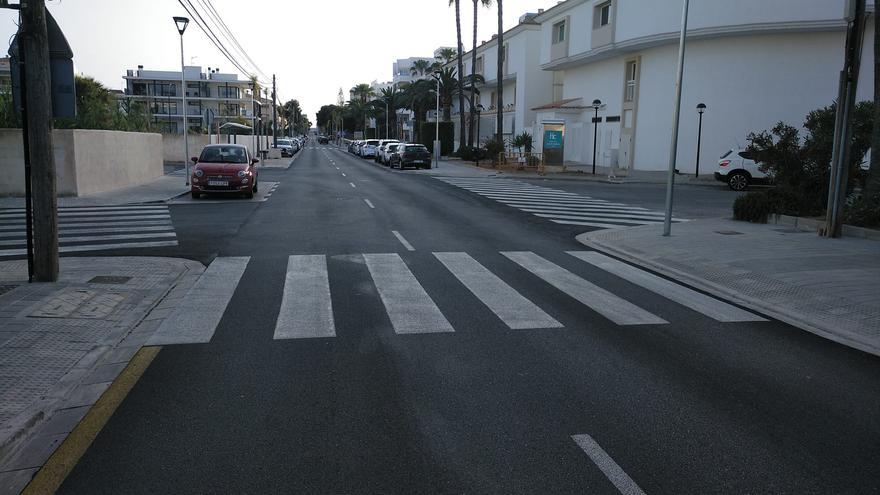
pixel 403 241
pixel 369 203
pixel 615 474
pixel 93 247
pixel 343 174
pixel 195 320
pixel 614 308
pixel 118 237
pixel 306 308
pixel 510 306
pixel 352 184
pixel 701 303
pixel 409 307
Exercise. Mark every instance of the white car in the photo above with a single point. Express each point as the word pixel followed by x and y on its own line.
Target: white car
pixel 390 149
pixel 380 151
pixel 738 169
pixel 368 150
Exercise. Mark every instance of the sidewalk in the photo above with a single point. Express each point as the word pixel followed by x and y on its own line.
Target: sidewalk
pixel 575 171
pixel 62 345
pixel 830 287
pixel 160 190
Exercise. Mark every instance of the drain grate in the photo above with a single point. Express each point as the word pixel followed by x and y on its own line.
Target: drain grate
pixel 109 279
pixel 728 232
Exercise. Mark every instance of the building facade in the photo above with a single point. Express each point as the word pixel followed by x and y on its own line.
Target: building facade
pixel 753 63
pixel 212 98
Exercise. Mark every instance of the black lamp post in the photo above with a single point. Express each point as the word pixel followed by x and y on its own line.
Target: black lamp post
pixel 181 23
pixel 479 108
pixel 596 105
pixel 700 109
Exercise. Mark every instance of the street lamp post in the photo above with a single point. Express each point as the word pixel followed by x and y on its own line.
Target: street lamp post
pixel 700 109
pixel 676 113
pixel 437 145
pixel 181 23
pixel 386 120
pixel 596 104
pixel 479 108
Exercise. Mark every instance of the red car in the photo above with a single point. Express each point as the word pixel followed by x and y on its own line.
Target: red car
pixel 226 169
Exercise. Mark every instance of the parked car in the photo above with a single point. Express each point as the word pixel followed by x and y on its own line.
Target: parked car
pixel 353 147
pixel 288 147
pixel 368 150
pixel 323 140
pixel 415 155
pixel 226 169
pixel 388 152
pixel 380 151
pixel 739 170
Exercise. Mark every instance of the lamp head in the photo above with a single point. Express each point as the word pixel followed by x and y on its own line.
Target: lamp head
pixel 701 107
pixel 181 23
pixel 597 103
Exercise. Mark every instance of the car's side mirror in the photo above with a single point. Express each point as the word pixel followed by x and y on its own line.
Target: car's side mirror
pixel 195 159
pixel 254 161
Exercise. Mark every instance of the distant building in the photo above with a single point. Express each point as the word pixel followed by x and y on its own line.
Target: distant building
pixel 5 76
pixel 211 97
pixel 402 69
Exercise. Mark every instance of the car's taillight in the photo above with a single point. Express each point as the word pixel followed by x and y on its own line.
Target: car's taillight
pixel 724 163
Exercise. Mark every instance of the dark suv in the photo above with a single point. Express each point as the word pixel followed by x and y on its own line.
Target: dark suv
pixel 411 155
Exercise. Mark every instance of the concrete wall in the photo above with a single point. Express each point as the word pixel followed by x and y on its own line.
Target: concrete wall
pixel 172 146
pixel 86 161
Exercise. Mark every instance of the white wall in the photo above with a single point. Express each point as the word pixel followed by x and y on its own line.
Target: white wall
pixel 172 146
pixel 86 161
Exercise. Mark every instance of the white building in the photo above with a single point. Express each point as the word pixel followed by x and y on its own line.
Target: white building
pixel 524 84
pixel 402 69
pixel 752 62
pixel 211 97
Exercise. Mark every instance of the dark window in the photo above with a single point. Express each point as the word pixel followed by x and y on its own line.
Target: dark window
pixel 223 154
pixel 746 155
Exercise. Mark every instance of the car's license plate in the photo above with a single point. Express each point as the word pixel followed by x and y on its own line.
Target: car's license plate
pixel 218 183
pixel 418 161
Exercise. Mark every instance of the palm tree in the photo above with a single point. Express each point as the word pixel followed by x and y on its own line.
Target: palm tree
pixel 499 116
pixel 460 70
pixel 449 86
pixel 420 67
pixel 447 55
pixel 477 3
pixel 362 92
pixel 390 101
pixel 419 96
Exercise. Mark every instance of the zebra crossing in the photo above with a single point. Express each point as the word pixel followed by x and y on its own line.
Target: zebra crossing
pixel 307 311
pixel 558 206
pixel 93 228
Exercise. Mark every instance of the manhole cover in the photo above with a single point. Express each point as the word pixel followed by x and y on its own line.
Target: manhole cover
pixel 728 232
pixel 109 279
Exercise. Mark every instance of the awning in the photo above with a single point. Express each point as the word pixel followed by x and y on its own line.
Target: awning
pixel 234 125
pixel 562 105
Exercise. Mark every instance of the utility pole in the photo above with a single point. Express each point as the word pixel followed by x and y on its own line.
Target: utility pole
pixel 676 114
pixel 846 100
pixel 34 36
pixel 274 116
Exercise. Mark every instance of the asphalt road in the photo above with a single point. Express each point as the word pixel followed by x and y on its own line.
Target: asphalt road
pixel 690 406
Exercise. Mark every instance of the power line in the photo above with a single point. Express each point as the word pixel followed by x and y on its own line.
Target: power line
pixel 231 37
pixel 197 18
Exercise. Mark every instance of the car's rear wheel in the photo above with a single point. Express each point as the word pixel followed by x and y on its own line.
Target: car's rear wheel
pixel 738 181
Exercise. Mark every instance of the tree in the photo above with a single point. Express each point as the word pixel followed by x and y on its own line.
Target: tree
pixel 459 47
pixel 419 96
pixel 872 186
pixel 98 108
pixel 362 92
pixel 420 67
pixel 499 111
pixel 391 101
pixel 446 55
pixel 477 3
pixel 449 87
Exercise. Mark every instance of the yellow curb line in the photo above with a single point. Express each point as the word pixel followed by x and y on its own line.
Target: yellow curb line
pixel 59 465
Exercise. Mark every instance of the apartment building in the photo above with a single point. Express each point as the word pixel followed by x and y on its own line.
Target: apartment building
pixel 753 63
pixel 524 84
pixel 212 98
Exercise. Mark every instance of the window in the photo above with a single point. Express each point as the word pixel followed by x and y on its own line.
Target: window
pixel 603 15
pixel 224 154
pixel 165 107
pixel 228 92
pixel 479 66
pixel 559 32
pixel 632 70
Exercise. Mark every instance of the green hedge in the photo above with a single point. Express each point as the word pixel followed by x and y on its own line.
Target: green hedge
pixel 447 136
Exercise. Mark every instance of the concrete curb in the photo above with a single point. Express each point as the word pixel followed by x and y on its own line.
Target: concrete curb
pixel 22 437
pixel 794 319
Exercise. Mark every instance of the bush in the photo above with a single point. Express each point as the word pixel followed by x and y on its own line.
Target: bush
pixel 863 212
pixel 472 153
pixel 493 149
pixel 447 136
pixel 754 207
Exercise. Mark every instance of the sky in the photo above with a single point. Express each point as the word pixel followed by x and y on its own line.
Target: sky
pixel 314 47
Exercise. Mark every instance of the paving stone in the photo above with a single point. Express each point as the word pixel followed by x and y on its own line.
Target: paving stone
pixel 86 395
pixel 64 420
pixel 35 452
pixel 13 482
pixel 104 373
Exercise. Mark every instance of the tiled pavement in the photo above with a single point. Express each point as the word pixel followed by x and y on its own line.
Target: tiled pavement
pixel 62 344
pixel 830 287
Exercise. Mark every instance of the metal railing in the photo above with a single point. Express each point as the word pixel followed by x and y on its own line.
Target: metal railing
pixel 521 160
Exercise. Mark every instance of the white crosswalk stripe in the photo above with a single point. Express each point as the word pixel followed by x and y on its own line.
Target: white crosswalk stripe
pixel 618 310
pixel 559 206
pixel 692 299
pixel 307 311
pixel 94 228
pixel 306 308
pixel 409 307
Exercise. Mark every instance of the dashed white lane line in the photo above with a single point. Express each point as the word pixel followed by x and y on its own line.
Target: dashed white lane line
pixel 403 241
pixel 615 474
pixel 343 174
pixel 369 204
pixel 352 184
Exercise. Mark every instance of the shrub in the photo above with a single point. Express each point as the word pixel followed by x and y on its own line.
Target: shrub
pixel 447 136
pixel 521 141
pixel 863 211
pixel 754 207
pixel 494 148
pixel 472 154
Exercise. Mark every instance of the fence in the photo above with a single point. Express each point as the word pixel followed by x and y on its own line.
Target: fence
pixel 519 160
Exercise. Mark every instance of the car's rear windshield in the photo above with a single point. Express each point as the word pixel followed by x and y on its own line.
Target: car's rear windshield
pixel 416 148
pixel 223 154
pixel 392 147
pixel 727 154
pixel 372 142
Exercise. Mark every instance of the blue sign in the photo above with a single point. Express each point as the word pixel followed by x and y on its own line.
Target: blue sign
pixel 552 140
